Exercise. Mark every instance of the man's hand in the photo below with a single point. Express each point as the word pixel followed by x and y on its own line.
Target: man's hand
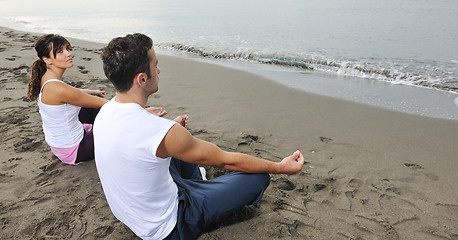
pixel 158 111
pixel 293 164
pixel 182 120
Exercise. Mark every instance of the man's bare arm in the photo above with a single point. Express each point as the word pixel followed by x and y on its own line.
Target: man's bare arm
pixel 179 143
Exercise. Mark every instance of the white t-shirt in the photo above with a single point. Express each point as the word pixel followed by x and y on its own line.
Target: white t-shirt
pixel 137 184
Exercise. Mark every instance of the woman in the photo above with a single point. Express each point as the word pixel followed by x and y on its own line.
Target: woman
pixel 63 108
pixel 67 113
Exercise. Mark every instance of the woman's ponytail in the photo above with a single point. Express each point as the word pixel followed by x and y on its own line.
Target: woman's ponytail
pixel 38 70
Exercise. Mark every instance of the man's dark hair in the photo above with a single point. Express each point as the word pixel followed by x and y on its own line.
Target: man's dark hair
pixel 125 57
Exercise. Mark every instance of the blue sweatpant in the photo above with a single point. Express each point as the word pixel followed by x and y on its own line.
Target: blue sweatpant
pixel 203 202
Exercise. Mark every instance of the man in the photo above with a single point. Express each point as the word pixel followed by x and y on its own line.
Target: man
pixel 137 156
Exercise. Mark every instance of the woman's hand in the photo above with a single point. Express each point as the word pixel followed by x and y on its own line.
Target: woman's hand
pixel 182 120
pixel 97 93
pixel 158 111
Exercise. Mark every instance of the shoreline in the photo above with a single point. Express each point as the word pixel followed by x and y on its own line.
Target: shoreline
pixel 416 100
pixel 370 172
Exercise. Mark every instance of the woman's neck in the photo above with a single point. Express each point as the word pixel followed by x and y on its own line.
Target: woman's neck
pixel 53 73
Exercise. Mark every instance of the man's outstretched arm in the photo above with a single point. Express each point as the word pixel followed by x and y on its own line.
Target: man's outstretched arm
pixel 179 143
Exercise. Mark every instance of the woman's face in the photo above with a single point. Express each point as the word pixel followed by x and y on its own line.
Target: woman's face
pixel 63 58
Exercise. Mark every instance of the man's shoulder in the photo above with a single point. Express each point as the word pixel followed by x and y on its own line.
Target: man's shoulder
pixel 114 108
pixel 131 112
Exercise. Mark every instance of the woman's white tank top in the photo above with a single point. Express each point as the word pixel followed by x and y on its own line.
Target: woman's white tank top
pixel 61 125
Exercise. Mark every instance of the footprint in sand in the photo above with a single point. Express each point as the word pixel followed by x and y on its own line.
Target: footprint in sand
pixel 325 139
pixel 43 178
pixel 49 167
pixel 102 231
pixel 422 170
pixel 4 46
pixel 9 167
pixel 398 212
pixel 83 70
pixel 78 226
pixel 413 166
pixel 355 183
pixel 244 143
pixel 4 177
pixel 284 184
pixel 14 117
pixel 12 58
pixel 43 227
pixel 78 84
pixel 26 144
pixel 385 186
pixel 243 147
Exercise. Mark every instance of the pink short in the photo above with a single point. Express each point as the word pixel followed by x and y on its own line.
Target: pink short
pixel 68 155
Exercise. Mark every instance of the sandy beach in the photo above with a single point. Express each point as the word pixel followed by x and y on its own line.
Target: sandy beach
pixel 370 173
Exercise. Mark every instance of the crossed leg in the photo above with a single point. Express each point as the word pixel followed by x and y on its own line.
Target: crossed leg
pixel 202 203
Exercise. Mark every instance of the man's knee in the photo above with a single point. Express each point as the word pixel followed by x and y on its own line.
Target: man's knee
pixel 262 179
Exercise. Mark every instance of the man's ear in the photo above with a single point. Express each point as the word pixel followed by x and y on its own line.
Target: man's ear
pixel 140 79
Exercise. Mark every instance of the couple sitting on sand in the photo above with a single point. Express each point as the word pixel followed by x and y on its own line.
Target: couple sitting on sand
pixel 148 165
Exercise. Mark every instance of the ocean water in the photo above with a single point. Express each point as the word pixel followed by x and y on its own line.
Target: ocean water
pixel 360 50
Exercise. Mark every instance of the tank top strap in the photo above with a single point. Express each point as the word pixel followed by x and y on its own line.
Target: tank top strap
pixel 48 81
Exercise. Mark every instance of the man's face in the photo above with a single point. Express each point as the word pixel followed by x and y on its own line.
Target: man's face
pixel 154 80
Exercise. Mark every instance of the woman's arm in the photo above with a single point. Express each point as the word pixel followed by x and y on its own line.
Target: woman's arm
pixel 56 93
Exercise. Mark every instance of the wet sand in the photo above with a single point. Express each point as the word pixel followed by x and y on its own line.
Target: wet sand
pixel 370 173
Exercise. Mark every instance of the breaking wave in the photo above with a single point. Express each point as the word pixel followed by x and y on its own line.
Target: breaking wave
pixel 398 71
